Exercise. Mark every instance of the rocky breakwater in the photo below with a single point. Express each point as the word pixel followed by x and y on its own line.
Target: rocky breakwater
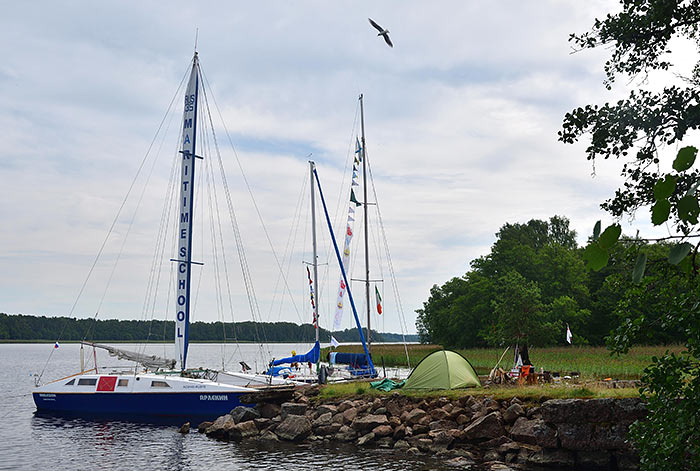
pixel 499 435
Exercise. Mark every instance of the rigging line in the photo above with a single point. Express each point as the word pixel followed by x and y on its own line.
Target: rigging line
pixel 130 226
pixel 215 253
pixel 289 250
pixel 215 220
pixel 252 299
pixel 342 196
pixel 255 205
pixel 161 237
pixel 240 248
pixel 288 254
pixel 109 232
pixel 157 261
pixel 390 266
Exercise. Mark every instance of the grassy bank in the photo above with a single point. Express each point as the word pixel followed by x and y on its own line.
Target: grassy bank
pixel 529 393
pixel 590 362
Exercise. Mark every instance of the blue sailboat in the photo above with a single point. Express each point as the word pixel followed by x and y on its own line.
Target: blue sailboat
pixel 159 390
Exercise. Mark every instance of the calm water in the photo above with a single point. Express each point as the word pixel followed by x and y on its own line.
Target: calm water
pixel 28 441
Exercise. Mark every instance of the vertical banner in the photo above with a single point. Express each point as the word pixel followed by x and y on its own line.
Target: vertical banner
pixel 184 233
pixel 348 238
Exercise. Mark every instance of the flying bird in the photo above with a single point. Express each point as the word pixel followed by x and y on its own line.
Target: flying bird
pixel 382 32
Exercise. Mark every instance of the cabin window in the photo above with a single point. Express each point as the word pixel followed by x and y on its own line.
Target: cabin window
pixel 71 382
pixel 87 381
pixel 123 382
pixel 159 384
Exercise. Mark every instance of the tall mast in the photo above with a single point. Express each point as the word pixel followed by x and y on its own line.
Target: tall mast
pixel 313 238
pixel 184 234
pixel 364 188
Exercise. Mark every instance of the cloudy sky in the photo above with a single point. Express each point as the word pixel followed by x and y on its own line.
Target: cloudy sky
pixel 461 119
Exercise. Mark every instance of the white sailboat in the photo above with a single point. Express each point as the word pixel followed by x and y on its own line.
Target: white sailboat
pixel 157 390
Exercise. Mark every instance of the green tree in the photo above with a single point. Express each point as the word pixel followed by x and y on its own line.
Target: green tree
pixel 519 313
pixel 642 130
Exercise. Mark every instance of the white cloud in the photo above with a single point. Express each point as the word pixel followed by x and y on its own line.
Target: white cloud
pixel 461 118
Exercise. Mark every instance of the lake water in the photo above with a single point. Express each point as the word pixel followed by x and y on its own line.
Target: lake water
pixel 28 441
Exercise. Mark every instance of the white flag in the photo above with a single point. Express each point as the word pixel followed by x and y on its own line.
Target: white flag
pixel 568 334
pixel 334 342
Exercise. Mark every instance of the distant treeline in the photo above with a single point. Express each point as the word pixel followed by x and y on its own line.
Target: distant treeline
pixel 24 327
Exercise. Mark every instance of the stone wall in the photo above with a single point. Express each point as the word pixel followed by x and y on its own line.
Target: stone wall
pixel 556 434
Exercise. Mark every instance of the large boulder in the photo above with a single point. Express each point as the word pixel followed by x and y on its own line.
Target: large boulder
pixel 369 422
pixel 350 414
pixel 628 410
pixel 203 426
pixel 534 432
pixel 328 429
pixel 442 425
pixel 382 431
pixel 244 414
pixel 439 414
pixel 262 423
pixel 513 412
pixel 218 428
pixel 401 445
pixel 365 439
pixel 561 411
pixel 414 416
pixel 243 430
pixel 399 432
pixel 345 434
pixel 294 428
pixel 441 438
pixel 576 436
pixel 393 408
pixel 269 411
pixel 293 408
pixel 489 426
pixel 323 419
pixel 325 408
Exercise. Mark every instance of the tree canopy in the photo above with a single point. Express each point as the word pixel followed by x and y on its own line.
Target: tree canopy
pixel 649 131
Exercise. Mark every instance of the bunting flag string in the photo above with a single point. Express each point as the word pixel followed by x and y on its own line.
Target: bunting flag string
pixel 348 238
pixel 313 302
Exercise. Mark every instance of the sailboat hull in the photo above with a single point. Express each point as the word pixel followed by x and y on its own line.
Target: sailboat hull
pixel 141 396
pixel 145 404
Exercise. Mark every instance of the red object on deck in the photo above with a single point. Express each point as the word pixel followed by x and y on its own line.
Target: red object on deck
pixel 106 383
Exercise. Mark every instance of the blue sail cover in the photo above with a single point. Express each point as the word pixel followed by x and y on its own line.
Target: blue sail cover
pixel 311 357
pixel 357 363
pixel 356 360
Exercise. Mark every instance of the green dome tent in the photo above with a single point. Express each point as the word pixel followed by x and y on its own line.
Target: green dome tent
pixel 443 369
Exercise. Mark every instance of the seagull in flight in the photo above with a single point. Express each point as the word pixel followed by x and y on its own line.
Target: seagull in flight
pixel 382 32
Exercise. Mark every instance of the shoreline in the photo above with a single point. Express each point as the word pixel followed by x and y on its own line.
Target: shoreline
pixel 499 434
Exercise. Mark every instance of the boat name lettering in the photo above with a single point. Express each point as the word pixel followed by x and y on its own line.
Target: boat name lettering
pixel 46 395
pixel 193 386
pixel 189 103
pixel 213 397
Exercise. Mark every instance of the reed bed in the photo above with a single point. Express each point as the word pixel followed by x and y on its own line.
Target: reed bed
pixel 589 362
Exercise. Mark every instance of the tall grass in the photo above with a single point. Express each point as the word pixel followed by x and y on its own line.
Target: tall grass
pixel 589 362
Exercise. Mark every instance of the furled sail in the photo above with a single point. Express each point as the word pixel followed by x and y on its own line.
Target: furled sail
pixel 149 361
pixel 184 234
pixel 312 356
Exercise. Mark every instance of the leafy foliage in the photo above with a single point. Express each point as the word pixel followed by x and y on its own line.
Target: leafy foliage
pixel 665 297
